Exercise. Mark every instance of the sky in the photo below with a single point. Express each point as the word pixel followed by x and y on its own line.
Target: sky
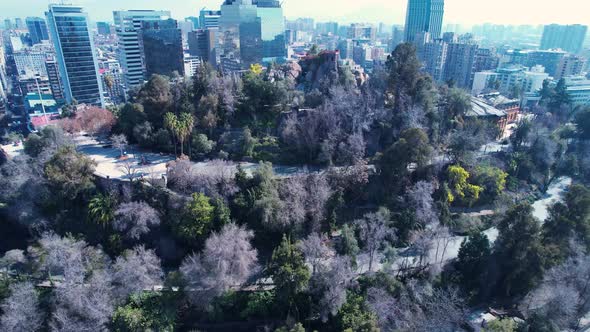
pixel 466 12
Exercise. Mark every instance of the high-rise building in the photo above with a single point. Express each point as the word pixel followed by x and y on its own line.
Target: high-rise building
pixel 103 28
pixel 550 59
pixel 424 16
pixel 571 65
pixel 569 38
pixel 239 38
pixel 362 31
pixel 327 28
pixel 434 58
pixel 162 47
pixel 52 69
pixel 459 64
pixel 209 18
pixel 201 43
pixel 8 24
pixel 346 48
pixel 70 32
pixel 37 29
pixel 194 20
pixel 112 80
pixel 272 21
pixel 191 65
pixel 18 23
pixel 397 37
pixel 130 53
pixel 506 78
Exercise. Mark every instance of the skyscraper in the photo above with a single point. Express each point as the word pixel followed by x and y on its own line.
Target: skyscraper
pixel 37 29
pixel 569 38
pixel 130 53
pixel 74 48
pixel 52 69
pixel 460 64
pixel 201 43
pixel 272 30
pixel 239 36
pixel 424 16
pixel 162 47
pixel 209 18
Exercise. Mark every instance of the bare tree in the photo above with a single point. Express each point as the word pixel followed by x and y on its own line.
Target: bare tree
pixel 135 271
pixel 227 261
pixel 128 169
pixel 374 230
pixel 12 258
pixel 420 199
pixel 56 255
pixel 135 219
pixel 564 295
pixel 332 282
pixel 316 250
pixel 119 142
pixel 318 194
pixel 21 309
pixel 83 306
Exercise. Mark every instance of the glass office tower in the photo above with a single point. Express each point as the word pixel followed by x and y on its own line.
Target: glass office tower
pixel 272 29
pixel 162 47
pixel 74 48
pixel 37 29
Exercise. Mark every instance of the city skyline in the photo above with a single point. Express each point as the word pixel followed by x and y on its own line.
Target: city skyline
pixel 463 12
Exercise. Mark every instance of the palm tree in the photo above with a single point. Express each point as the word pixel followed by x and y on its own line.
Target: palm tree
pixel 186 124
pixel 171 122
pixel 101 209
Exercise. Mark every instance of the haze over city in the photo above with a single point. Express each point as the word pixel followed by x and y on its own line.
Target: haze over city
pixel 295 166
pixel 466 12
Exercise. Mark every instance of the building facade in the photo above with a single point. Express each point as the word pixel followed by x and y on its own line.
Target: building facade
pixel 30 63
pixel 162 47
pixel 424 16
pixel 209 18
pixel 37 29
pixel 201 43
pixel 71 35
pixel 52 69
pixel 569 38
pixel 130 52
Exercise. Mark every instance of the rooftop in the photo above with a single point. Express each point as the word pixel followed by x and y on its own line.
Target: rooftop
pixel 479 108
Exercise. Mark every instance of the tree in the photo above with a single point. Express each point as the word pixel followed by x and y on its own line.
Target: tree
pixel 59 256
pixel 50 139
pixel 288 271
pixel 563 297
pixel 135 219
pixel 501 325
pixel 93 120
pixel 316 250
pixel 374 229
pixel 462 190
pixel 472 260
pixel 227 261
pixel 156 98
pixel 354 315
pixel 83 305
pixel 146 312
pixel 130 116
pixel 331 284
pixel 519 251
pixel 186 122
pixel 403 66
pixel 491 179
pixel 196 219
pixel 119 142
pixel 348 245
pixel 582 120
pixel 136 271
pixel 172 124
pixel 69 174
pixel 101 209
pixel 568 221
pixel 21 309
pixel 420 199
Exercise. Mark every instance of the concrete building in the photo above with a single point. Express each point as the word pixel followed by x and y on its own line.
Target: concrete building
pixel 130 52
pixel 162 47
pixel 424 16
pixel 362 32
pixel 52 69
pixel 191 65
pixel 112 80
pixel 550 59
pixel 460 63
pixel 71 35
pixel 209 18
pixel 201 43
pixel 30 63
pixel 37 29
pixel 578 88
pixel 504 79
pixel 434 58
pixel 569 38
pixel 571 65
pixel 103 28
